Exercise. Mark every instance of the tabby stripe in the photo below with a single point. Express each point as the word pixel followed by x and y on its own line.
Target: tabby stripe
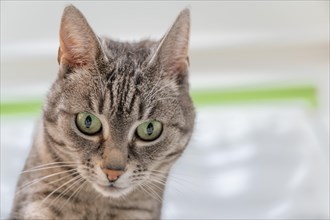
pixel 134 208
pixel 101 103
pixel 111 75
pixel 180 128
pixel 55 194
pixel 53 154
pixel 110 85
pixel 132 101
pixel 58 213
pixel 51 118
pixel 119 91
pixel 114 94
pixel 137 80
pixel 111 98
pixel 112 216
pixel 175 153
pixel 127 90
pixel 151 111
pixel 52 139
pixel 66 112
pixel 51 148
pixel 141 111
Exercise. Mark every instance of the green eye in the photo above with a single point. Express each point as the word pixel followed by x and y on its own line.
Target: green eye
pixel 149 130
pixel 88 123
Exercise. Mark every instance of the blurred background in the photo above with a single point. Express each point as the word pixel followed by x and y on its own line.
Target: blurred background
pixel 259 79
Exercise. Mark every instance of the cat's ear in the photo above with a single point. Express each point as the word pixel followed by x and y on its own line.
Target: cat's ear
pixel 172 51
pixel 79 46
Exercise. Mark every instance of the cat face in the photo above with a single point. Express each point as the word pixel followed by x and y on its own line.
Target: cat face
pixel 121 111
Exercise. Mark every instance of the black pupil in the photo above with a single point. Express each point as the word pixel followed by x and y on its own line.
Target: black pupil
pixel 150 129
pixel 88 121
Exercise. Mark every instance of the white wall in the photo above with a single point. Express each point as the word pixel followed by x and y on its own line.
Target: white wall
pixel 235 41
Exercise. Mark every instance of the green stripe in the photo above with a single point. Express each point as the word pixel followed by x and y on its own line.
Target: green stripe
pixel 24 107
pixel 209 97
pixel 200 98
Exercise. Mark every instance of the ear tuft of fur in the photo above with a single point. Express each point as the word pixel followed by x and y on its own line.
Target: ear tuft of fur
pixel 172 52
pixel 78 43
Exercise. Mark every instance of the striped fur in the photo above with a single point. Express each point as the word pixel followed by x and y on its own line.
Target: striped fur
pixel 123 84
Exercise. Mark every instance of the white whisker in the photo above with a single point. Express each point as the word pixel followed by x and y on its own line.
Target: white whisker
pixel 145 189
pixel 160 181
pixel 53 163
pixel 54 191
pixel 153 192
pixel 45 168
pixel 181 177
pixel 154 183
pixel 40 179
pixel 65 191
pixel 179 180
pixel 74 192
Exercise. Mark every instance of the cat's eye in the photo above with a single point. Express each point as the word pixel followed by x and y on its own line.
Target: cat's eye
pixel 149 130
pixel 88 123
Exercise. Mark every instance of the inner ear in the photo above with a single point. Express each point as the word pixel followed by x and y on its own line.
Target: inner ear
pixel 79 45
pixel 172 51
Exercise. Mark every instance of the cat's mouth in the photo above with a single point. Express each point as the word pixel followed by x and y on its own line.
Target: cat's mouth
pixel 111 190
pixel 111 187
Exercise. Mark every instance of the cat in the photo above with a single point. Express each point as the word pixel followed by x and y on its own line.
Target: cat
pixel 115 120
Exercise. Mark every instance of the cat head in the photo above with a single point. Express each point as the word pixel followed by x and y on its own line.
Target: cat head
pixel 120 110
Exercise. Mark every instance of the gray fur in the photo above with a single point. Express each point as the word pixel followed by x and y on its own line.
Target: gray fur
pixel 123 84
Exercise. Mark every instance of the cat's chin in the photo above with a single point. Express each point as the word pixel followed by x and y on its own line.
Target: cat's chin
pixel 112 191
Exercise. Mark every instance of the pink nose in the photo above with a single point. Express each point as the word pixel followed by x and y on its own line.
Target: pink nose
pixel 112 175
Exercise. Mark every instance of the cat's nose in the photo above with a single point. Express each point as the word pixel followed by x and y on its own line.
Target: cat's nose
pixel 112 175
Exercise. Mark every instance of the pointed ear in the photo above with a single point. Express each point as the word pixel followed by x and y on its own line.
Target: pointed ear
pixel 172 52
pixel 79 46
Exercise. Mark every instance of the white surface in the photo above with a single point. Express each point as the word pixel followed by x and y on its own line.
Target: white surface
pixel 249 162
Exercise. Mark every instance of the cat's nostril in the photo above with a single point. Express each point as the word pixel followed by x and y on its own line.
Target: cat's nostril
pixel 113 175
